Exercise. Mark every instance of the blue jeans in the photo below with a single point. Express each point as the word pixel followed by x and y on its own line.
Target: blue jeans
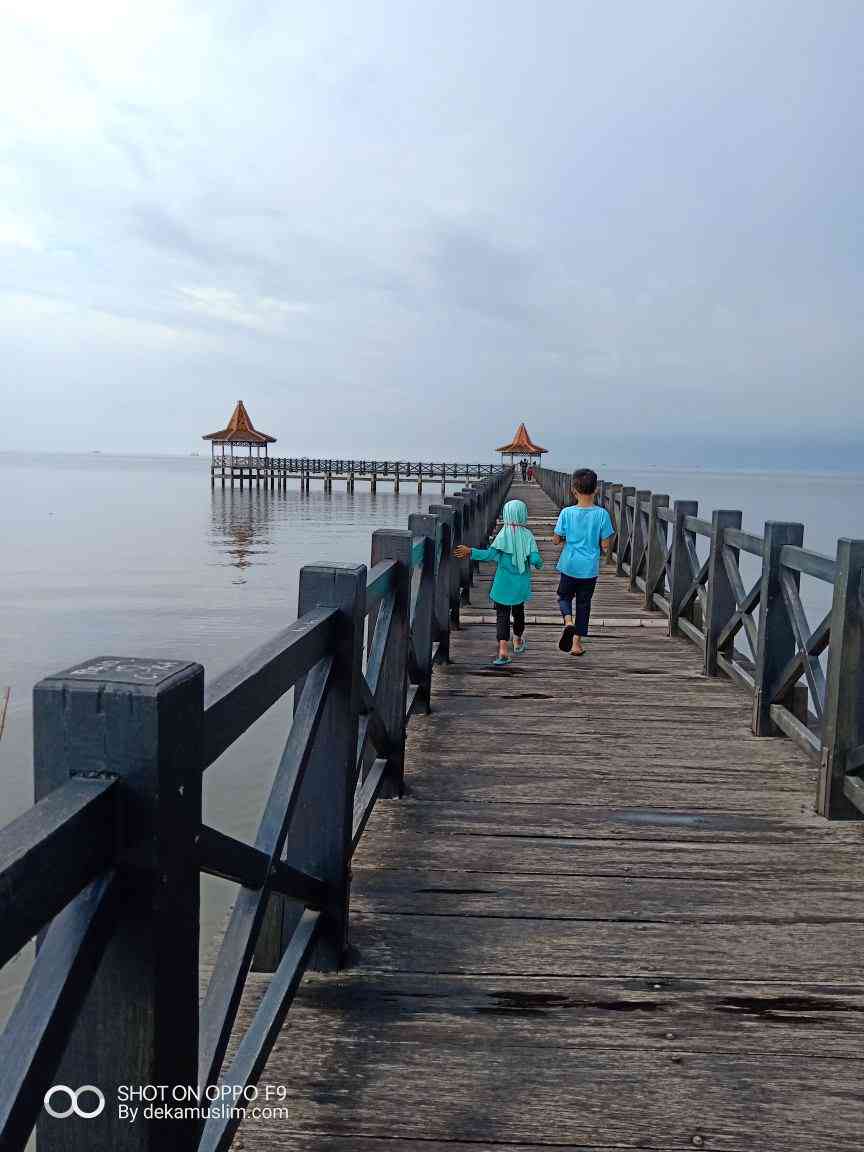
pixel 572 588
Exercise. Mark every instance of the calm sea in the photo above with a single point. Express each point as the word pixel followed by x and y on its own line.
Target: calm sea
pixel 135 556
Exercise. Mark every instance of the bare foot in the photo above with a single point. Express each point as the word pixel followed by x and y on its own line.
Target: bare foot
pixel 577 649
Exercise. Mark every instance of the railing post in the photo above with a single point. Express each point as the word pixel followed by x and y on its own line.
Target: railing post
pixel 679 561
pixel 422 626
pixel 441 616
pixel 462 567
pixel 392 688
pixel 720 603
pixel 141 721
pixel 469 536
pixel 319 838
pixel 613 494
pixel 624 529
pixel 843 722
pixel 640 497
pixel 655 562
pixel 776 644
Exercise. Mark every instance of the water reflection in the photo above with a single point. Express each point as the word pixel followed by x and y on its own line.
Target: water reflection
pixel 241 527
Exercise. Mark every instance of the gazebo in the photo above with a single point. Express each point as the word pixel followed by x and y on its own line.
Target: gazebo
pixel 521 445
pixel 240 431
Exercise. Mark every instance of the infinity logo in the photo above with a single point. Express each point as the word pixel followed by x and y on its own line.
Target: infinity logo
pixel 74 1106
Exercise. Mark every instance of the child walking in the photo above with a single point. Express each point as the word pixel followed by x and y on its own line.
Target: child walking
pixel 514 551
pixel 585 530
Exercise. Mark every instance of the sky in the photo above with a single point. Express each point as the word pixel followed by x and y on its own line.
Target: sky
pixel 400 228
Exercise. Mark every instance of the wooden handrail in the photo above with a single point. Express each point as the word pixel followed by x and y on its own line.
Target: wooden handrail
pixel 708 603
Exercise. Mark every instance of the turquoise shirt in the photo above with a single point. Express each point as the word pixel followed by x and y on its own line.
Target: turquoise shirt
pixel 582 529
pixel 509 586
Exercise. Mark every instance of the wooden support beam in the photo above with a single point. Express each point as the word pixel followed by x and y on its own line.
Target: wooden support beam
pixel 655 564
pixel 721 602
pixel 843 723
pixel 641 496
pixel 392 675
pixel 776 641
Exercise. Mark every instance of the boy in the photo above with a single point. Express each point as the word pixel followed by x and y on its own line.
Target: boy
pixel 585 530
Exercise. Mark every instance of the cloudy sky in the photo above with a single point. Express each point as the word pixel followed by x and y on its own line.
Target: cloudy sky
pixel 402 227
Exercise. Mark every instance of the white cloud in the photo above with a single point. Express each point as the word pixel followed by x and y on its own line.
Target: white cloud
pixel 18 230
pixel 260 313
pixel 55 319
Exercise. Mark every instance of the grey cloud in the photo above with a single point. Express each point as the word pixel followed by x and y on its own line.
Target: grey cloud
pixel 165 232
pixel 475 272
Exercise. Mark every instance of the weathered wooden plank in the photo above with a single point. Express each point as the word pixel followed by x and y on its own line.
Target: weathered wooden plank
pixel 811 1020
pixel 704 793
pixel 402 888
pixel 796 855
pixel 639 1099
pixel 573 821
pixel 537 947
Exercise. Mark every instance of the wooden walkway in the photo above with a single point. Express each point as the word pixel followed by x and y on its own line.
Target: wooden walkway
pixel 604 916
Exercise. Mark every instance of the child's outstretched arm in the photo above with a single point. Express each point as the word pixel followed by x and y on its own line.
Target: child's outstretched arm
pixel 462 552
pixel 535 560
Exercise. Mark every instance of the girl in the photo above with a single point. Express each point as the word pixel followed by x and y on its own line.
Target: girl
pixel 514 551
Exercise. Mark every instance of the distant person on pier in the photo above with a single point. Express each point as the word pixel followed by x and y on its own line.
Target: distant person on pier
pixel 530 473
pixel 523 468
pixel 585 530
pixel 514 551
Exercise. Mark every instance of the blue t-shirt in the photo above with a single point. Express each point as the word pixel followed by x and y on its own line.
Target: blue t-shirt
pixel 582 530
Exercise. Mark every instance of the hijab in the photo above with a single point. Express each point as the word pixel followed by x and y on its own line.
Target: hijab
pixel 514 538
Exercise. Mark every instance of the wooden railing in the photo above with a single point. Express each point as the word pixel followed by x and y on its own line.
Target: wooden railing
pixel 322 466
pixel 106 866
pixel 656 549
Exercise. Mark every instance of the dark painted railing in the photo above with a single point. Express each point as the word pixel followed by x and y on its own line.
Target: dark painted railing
pixel 391 468
pixel 706 600
pixel 106 866
pixel 322 466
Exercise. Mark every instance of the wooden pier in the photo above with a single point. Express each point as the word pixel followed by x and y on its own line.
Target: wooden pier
pixel 275 472
pixel 593 903
pixel 604 915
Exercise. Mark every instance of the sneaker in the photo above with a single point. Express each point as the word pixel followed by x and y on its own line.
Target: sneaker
pixel 566 641
pixel 500 661
pixel 519 647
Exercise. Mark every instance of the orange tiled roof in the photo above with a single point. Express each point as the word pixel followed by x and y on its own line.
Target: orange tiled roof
pixel 240 430
pixel 522 442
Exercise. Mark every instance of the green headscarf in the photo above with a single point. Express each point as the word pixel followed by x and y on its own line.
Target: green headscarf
pixel 514 538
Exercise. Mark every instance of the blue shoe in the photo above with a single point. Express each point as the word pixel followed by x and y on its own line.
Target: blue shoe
pixel 518 648
pixel 500 661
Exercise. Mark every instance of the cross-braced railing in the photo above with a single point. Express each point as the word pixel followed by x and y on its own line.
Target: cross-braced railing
pixel 107 865
pixel 690 569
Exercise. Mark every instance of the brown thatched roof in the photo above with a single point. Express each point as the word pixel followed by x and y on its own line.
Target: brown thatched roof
pixel 240 430
pixel 523 443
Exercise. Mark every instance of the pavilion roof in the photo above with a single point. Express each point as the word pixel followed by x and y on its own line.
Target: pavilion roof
pixel 240 430
pixel 523 443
